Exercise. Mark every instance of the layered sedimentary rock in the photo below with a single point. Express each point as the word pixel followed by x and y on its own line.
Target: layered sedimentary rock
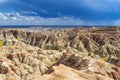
pixel 84 53
pixel 93 41
pixel 21 61
pixel 92 66
pixel 62 72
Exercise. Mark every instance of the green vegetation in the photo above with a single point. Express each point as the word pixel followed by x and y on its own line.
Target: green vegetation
pixel 1 43
pixel 1 28
pixel 19 38
pixel 89 53
pixel 105 59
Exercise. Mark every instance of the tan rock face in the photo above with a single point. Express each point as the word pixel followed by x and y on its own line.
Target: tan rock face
pixel 90 66
pixel 62 72
pixel 76 54
pixel 104 42
pixel 22 61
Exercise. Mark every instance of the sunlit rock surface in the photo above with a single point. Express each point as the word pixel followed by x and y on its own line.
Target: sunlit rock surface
pixel 64 54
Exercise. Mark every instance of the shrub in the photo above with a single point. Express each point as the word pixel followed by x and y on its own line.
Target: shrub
pixel 1 43
pixel 105 59
pixel 89 53
pixel 19 38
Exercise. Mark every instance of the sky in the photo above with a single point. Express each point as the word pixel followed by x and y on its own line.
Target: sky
pixel 59 12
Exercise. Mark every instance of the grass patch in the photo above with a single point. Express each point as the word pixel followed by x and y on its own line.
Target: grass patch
pixel 19 38
pixel 1 43
pixel 105 59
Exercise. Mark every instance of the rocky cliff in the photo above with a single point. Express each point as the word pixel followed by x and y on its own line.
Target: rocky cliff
pixel 64 54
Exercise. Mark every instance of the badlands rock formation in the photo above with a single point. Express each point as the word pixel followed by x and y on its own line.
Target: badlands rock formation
pixel 64 54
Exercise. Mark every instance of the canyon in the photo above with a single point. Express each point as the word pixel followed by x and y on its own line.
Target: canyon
pixel 60 54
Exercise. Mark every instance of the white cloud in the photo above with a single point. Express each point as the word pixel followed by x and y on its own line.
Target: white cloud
pixel 29 12
pixel 116 22
pixel 59 21
pixel 59 14
pixel 18 19
pixel 2 16
pixel 44 11
pixel 14 18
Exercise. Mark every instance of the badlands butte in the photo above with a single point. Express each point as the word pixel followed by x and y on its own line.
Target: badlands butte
pixel 60 54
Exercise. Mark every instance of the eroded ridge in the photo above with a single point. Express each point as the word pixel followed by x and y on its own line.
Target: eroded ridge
pixel 47 54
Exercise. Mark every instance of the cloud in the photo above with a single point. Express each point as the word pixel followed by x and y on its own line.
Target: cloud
pixel 14 18
pixel 116 22
pixel 29 12
pixel 18 19
pixel 44 11
pixel 83 9
pixel 2 17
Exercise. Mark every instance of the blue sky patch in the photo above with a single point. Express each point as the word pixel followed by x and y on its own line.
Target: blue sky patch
pixel 60 12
